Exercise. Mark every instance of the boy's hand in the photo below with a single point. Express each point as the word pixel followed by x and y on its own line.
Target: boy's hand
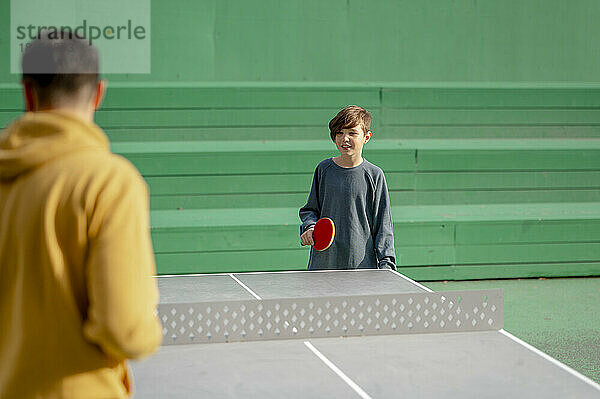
pixel 307 237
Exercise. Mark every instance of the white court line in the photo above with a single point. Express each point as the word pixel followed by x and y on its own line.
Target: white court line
pixel 412 281
pixel 551 359
pixel 339 372
pixel 245 286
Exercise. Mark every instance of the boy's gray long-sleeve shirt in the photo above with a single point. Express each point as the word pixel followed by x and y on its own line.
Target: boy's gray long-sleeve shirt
pixel 357 201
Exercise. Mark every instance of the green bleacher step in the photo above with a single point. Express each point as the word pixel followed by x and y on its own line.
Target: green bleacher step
pixel 432 242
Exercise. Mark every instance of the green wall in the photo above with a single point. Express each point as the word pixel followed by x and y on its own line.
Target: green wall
pixel 377 40
pixel 486 122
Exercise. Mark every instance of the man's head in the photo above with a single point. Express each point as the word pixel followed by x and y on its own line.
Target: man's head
pixel 61 70
pixel 350 129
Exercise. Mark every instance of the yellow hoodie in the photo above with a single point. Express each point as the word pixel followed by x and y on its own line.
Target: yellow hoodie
pixel 77 295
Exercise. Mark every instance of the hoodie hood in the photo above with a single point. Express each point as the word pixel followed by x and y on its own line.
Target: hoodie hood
pixel 38 137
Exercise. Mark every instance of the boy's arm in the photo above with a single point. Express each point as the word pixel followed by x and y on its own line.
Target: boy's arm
pixel 383 228
pixel 310 213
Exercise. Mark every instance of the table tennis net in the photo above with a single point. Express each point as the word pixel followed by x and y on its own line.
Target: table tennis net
pixel 316 317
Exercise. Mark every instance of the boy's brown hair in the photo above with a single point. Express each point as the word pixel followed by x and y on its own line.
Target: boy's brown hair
pixel 349 117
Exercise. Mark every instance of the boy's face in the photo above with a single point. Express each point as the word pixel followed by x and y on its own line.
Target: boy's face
pixel 350 141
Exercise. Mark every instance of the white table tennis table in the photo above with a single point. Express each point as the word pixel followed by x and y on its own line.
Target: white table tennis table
pixel 341 334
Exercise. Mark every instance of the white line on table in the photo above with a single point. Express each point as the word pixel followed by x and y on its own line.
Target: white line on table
pixel 551 359
pixel 412 281
pixel 339 372
pixel 254 294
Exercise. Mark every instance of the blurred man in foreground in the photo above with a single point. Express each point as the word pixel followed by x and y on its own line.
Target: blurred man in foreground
pixel 77 297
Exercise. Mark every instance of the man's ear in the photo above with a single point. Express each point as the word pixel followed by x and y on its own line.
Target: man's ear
pixel 99 94
pixel 30 96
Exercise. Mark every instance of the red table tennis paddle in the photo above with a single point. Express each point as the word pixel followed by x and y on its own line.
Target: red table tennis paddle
pixel 323 234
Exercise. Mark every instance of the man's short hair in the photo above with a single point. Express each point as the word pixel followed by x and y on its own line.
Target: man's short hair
pixel 349 117
pixel 60 65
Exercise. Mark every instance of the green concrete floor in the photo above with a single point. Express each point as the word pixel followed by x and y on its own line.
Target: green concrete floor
pixel 558 316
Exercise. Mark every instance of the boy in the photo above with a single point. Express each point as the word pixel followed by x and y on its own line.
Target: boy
pixel 353 193
pixel 77 296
